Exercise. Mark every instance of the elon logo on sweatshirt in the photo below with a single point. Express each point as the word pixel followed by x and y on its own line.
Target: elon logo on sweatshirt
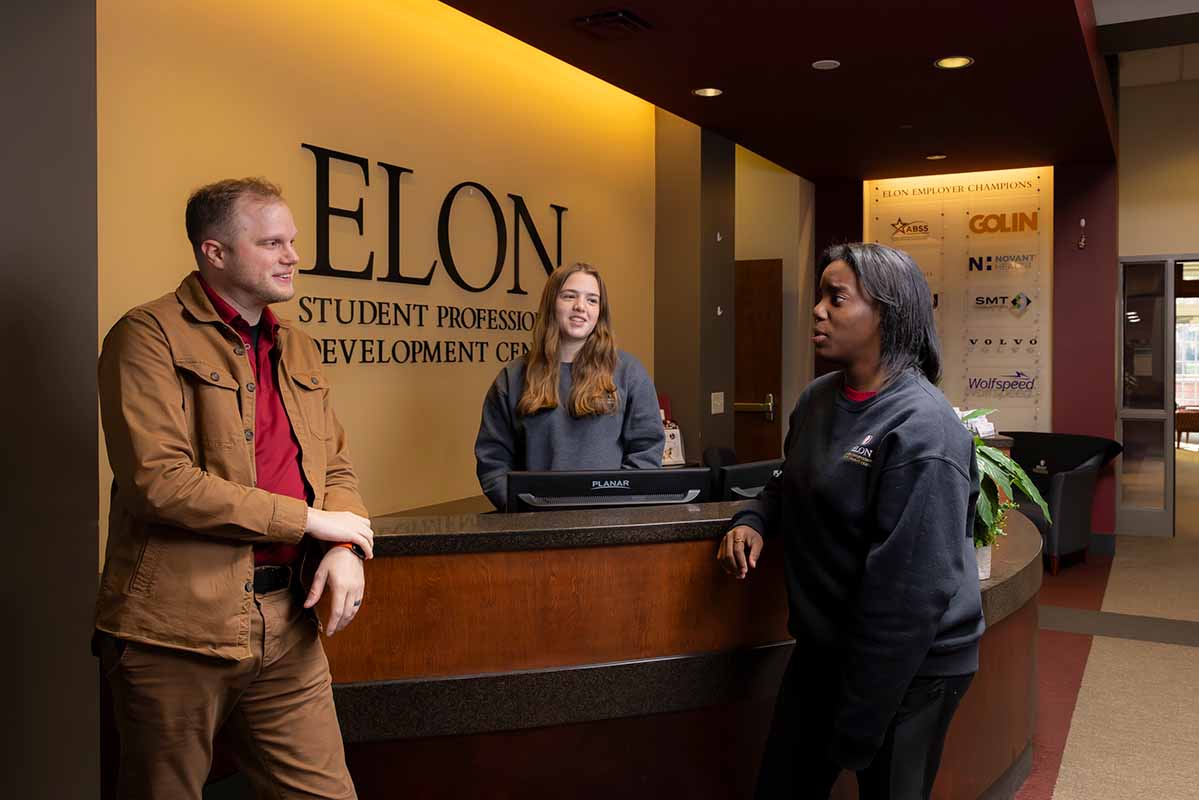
pixel 861 454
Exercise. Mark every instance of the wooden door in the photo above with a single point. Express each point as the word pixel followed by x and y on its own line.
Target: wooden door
pixel 759 352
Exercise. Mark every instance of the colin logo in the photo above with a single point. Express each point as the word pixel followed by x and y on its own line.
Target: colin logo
pixel 601 485
pixel 861 454
pixel 1015 222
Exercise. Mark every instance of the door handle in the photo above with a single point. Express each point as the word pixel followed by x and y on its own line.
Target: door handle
pixel 766 408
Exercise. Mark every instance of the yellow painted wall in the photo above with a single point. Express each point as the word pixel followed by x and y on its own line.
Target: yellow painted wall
pixel 1159 169
pixel 774 219
pixel 190 92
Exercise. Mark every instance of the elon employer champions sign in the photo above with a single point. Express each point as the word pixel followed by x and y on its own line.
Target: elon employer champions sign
pixel 984 241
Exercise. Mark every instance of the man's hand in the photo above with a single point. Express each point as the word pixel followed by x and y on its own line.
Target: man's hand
pixel 341 526
pixel 342 571
pixel 732 553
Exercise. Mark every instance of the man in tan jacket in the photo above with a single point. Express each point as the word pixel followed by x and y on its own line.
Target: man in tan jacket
pixel 231 475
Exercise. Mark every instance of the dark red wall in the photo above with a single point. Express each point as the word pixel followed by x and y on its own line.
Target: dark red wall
pixel 1085 283
pixel 837 220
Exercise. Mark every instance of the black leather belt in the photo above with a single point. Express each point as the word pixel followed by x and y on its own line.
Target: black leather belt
pixel 271 578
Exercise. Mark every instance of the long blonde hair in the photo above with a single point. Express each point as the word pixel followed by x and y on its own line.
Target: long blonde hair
pixel 592 389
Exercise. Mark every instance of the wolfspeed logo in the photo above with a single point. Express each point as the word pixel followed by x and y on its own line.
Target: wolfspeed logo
pixel 909 229
pixel 1014 383
pixel 600 485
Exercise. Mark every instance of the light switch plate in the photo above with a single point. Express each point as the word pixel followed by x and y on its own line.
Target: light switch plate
pixel 717 402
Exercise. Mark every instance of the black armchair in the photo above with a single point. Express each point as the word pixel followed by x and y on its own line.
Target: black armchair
pixel 1064 467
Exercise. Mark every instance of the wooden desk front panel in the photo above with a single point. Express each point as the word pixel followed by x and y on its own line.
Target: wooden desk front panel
pixel 441 615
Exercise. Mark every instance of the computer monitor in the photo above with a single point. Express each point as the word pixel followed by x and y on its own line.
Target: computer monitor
pixel 745 481
pixel 559 491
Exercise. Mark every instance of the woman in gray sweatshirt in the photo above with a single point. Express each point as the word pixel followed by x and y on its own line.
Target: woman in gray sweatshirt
pixel 574 402
pixel 874 513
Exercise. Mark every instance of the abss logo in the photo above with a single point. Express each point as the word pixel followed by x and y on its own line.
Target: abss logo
pixel 909 229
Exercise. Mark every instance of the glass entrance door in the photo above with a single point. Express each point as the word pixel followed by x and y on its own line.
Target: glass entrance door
pixel 1145 411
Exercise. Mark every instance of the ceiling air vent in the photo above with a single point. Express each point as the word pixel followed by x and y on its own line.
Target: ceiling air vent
pixel 610 26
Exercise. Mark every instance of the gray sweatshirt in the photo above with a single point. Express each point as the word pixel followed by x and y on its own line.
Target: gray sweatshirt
pixel 632 437
pixel 875 508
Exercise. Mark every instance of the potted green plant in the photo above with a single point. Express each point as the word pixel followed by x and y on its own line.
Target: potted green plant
pixel 998 474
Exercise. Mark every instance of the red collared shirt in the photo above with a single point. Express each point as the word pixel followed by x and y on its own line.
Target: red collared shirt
pixel 854 396
pixel 276 449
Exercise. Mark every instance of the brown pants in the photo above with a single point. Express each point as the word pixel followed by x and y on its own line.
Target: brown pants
pixel 277 706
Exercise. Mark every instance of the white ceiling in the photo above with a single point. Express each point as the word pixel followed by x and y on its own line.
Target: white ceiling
pixel 1161 65
pixel 1111 12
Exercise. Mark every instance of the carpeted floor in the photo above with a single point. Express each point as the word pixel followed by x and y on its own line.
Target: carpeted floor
pixel 1118 667
pixel 1135 731
pixel 1154 578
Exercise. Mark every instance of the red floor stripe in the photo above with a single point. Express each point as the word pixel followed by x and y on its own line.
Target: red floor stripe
pixel 1061 659
pixel 1079 585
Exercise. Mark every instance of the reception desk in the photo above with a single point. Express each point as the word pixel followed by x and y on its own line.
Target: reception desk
pixel 589 654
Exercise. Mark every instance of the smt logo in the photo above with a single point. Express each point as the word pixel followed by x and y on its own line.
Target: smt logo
pixel 601 485
pixel 909 229
pixel 1018 304
pixel 1006 384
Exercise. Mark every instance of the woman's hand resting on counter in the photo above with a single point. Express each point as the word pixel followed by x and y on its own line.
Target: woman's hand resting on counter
pixel 739 550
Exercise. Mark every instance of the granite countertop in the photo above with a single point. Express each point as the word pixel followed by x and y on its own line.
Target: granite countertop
pixel 472 532
pixel 1016 569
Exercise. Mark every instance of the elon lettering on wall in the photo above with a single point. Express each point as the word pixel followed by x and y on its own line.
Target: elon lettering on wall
pixel 404 332
pixel 984 241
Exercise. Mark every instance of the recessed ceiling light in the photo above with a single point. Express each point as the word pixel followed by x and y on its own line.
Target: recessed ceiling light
pixel 936 156
pixel 953 62
pixel 825 64
pixel 709 91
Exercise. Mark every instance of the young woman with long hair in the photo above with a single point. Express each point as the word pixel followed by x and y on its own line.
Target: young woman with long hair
pixel 874 509
pixel 574 402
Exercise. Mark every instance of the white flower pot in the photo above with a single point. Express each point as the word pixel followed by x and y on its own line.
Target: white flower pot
pixel 983 554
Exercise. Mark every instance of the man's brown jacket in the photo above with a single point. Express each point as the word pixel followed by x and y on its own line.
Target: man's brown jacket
pixel 179 425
